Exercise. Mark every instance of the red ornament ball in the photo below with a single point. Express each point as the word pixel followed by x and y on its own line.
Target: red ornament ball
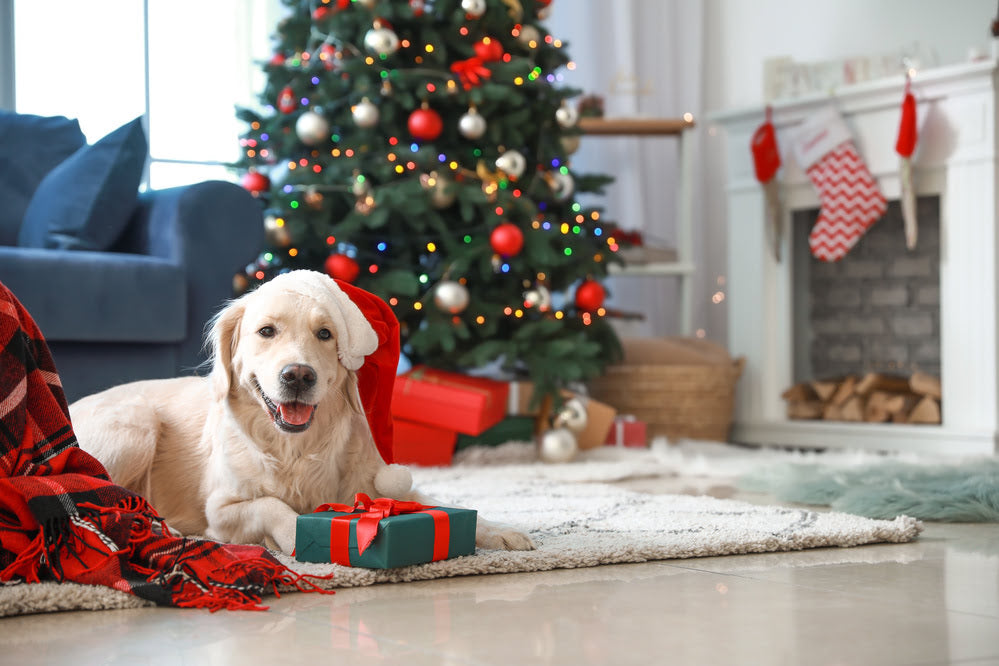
pixel 425 124
pixel 342 267
pixel 255 182
pixel 489 49
pixel 507 239
pixel 590 295
pixel 286 100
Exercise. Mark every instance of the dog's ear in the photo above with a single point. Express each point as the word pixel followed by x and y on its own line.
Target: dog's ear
pixel 223 337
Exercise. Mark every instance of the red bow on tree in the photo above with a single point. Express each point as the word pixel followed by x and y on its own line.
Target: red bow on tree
pixel 471 72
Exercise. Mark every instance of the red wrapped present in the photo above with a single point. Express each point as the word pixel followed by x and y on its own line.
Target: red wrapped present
pixel 449 400
pixel 627 431
pixel 421 444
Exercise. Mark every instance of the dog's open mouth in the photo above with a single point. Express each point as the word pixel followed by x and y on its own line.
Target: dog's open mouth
pixel 288 416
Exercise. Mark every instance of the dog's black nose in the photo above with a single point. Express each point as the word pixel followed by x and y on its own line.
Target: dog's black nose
pixel 298 376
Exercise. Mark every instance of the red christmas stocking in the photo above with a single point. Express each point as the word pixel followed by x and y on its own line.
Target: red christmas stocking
pixel 849 196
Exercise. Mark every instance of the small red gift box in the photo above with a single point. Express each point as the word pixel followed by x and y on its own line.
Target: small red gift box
pixel 449 400
pixel 419 444
pixel 627 431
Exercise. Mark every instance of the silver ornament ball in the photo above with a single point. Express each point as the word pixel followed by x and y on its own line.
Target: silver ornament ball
pixel 472 125
pixel 529 34
pixel 512 163
pixel 572 416
pixel 474 8
pixel 365 113
pixel 381 41
pixel 451 296
pixel 562 185
pixel 538 297
pixel 312 128
pixel 567 116
pixel 558 445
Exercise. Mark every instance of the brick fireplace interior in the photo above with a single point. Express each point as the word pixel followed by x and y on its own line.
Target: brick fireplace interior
pixel 878 309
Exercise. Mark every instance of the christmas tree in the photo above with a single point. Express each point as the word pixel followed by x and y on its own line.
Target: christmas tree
pixel 421 150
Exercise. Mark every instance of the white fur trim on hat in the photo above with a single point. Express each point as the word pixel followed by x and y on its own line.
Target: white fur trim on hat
pixel 355 338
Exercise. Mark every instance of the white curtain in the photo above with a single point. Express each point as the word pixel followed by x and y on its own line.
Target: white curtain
pixel 644 58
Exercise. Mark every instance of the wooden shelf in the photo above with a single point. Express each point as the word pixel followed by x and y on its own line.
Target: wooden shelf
pixel 651 269
pixel 635 126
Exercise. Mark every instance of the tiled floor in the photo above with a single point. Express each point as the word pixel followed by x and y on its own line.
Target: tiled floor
pixel 934 601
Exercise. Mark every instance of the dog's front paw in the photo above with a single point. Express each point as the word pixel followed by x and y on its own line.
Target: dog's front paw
pixel 498 537
pixel 284 536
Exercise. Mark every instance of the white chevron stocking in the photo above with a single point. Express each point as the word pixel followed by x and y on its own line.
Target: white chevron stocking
pixel 850 202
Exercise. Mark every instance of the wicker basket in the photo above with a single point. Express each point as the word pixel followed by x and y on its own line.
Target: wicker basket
pixel 676 397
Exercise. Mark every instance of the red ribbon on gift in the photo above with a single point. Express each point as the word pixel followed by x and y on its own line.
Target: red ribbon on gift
pixel 471 72
pixel 368 513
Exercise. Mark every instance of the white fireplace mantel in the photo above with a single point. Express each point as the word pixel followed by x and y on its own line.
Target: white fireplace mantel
pixel 956 158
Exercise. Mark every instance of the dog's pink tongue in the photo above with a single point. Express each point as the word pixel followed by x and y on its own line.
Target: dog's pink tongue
pixel 295 413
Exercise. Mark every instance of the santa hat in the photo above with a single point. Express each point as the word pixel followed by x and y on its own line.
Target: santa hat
pixel 367 334
pixel 376 376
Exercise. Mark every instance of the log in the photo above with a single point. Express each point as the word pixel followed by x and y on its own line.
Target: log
pixel 927 410
pixel 844 391
pixel 853 409
pixel 802 392
pixel 873 398
pixel 805 409
pixel 875 381
pixel 824 390
pixel 925 384
pixel 876 409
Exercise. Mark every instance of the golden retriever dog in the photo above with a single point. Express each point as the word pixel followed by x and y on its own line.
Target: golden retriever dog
pixel 274 430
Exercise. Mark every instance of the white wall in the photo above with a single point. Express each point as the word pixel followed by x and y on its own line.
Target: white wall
pixel 737 37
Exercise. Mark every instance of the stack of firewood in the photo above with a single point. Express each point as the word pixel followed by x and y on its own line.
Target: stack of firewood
pixel 871 398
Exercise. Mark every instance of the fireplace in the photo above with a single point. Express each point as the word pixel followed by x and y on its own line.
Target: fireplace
pixel 955 169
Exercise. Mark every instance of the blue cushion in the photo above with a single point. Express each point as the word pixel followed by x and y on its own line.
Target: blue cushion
pixel 86 202
pixel 30 147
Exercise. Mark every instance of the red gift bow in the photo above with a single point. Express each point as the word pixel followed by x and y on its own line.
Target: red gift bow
pixel 367 524
pixel 471 71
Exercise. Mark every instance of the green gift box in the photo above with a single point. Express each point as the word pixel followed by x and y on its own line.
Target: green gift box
pixel 384 533
pixel 510 429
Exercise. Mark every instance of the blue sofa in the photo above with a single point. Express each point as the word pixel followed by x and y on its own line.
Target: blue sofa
pixel 131 299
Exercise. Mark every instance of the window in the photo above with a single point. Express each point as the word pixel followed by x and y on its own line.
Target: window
pixel 183 64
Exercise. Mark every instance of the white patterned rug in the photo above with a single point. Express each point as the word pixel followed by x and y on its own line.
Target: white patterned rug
pixel 576 517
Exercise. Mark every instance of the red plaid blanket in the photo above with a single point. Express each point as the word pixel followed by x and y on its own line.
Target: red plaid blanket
pixel 62 519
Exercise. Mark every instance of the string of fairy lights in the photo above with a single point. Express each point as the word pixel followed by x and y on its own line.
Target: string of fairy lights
pixel 436 170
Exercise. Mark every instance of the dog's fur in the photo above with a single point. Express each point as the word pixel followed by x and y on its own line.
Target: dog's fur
pixel 237 455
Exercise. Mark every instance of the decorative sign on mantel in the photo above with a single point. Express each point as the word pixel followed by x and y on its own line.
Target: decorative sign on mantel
pixel 784 78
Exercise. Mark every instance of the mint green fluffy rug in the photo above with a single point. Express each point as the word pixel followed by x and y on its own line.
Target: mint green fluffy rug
pixel 967 491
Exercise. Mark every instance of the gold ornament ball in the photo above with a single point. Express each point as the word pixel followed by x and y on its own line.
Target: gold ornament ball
pixel 558 445
pixel 441 190
pixel 571 143
pixel 240 283
pixel 313 198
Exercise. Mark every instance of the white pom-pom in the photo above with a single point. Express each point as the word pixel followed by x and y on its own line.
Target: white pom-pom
pixel 393 481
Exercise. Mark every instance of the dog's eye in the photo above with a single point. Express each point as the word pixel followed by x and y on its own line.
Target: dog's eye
pixel 324 334
pixel 266 332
